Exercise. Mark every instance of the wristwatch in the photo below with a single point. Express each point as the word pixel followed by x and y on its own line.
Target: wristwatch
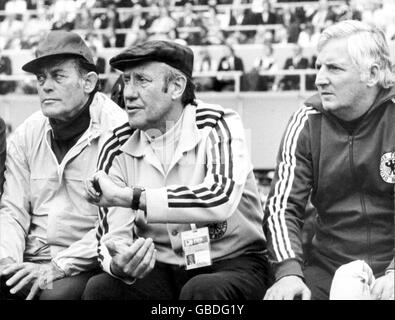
pixel 136 197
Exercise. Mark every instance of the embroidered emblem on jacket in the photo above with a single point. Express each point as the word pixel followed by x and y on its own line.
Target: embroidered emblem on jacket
pixel 387 167
pixel 217 230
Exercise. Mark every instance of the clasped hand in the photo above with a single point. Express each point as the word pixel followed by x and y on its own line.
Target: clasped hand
pixel 103 192
pixel 29 275
pixel 132 260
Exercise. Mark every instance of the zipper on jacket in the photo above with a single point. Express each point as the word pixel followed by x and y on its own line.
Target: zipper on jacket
pixel 361 196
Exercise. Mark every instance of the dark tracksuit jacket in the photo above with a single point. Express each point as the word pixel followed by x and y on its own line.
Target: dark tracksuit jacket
pixel 351 180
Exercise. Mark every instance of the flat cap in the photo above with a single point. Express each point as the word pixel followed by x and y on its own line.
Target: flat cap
pixel 176 55
pixel 56 43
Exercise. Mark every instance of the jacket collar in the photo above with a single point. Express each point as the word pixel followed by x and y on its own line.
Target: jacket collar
pixel 138 144
pixel 94 130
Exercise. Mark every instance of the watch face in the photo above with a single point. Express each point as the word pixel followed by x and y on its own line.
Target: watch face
pixel 217 230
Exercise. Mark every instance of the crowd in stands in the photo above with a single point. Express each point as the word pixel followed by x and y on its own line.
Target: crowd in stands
pixel 121 23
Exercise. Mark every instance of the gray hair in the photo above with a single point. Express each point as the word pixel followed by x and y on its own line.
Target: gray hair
pixel 366 45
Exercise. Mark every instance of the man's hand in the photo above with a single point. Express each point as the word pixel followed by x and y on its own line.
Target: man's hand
pixel 287 288
pixel 103 192
pixel 383 288
pixel 32 275
pixel 132 261
pixel 4 262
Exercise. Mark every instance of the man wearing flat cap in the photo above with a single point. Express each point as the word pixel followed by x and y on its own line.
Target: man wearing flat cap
pixel 47 228
pixel 179 208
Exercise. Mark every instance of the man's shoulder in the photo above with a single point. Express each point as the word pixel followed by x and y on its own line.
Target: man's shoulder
pixel 108 113
pixel 209 115
pixel 30 131
pixel 33 124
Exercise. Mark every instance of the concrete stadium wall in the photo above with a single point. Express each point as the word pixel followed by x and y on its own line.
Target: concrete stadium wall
pixel 264 115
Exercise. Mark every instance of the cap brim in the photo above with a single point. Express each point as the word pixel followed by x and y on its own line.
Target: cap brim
pixel 122 64
pixel 33 65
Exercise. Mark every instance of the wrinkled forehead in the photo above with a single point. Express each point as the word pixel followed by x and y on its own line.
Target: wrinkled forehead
pixel 152 68
pixel 334 50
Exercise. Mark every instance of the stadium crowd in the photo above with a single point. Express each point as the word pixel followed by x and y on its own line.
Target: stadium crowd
pixel 122 23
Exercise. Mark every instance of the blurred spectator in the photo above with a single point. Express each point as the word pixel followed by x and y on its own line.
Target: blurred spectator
pixel 94 39
pixel 110 21
pixel 291 22
pixel 203 64
pixel 264 63
pixel 64 21
pixel 296 61
pixel 34 29
pixel 6 69
pixel 213 26
pixel 16 7
pixel 84 19
pixel 265 15
pixel 189 18
pixel 350 10
pixel 198 38
pixel 135 22
pixel 229 62
pixel 163 24
pixel 100 64
pixel 323 16
pixel 10 31
pixel 64 13
pixel 264 35
pixel 308 37
pixel 152 15
pixel 242 17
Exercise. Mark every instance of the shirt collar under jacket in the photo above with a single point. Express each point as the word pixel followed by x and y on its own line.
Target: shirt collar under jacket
pixel 94 130
pixel 137 146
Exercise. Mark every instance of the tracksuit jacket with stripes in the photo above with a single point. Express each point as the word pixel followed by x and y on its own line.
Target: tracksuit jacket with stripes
pixel 351 181
pixel 44 215
pixel 210 182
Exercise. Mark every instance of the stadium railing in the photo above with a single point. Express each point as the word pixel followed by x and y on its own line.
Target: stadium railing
pixel 233 75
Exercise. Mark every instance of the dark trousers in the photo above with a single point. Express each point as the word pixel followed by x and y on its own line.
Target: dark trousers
pixel 69 288
pixel 246 277
pixel 319 281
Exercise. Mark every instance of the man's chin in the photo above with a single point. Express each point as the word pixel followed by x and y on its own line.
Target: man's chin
pixel 327 106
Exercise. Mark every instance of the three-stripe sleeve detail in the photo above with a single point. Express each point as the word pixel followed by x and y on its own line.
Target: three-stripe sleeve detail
pixel 110 149
pixel 220 165
pixel 282 189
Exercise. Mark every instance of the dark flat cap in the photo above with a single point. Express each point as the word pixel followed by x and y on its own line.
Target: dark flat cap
pixel 56 43
pixel 171 53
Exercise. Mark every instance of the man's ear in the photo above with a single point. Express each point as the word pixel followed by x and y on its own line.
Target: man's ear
pixel 373 75
pixel 90 81
pixel 178 87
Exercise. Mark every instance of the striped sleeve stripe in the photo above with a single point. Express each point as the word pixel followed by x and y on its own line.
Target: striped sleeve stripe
pixel 110 150
pixel 119 134
pixel 115 132
pixel 222 171
pixel 208 117
pixel 286 172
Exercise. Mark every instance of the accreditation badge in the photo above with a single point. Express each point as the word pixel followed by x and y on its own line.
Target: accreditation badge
pixel 387 167
pixel 196 245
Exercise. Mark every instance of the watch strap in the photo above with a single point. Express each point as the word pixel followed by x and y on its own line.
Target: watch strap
pixel 137 191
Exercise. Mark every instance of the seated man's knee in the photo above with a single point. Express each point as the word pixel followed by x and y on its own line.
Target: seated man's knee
pixel 204 286
pixel 99 287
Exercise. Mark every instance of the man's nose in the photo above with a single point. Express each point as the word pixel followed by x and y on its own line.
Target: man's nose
pixel 130 92
pixel 47 85
pixel 321 78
